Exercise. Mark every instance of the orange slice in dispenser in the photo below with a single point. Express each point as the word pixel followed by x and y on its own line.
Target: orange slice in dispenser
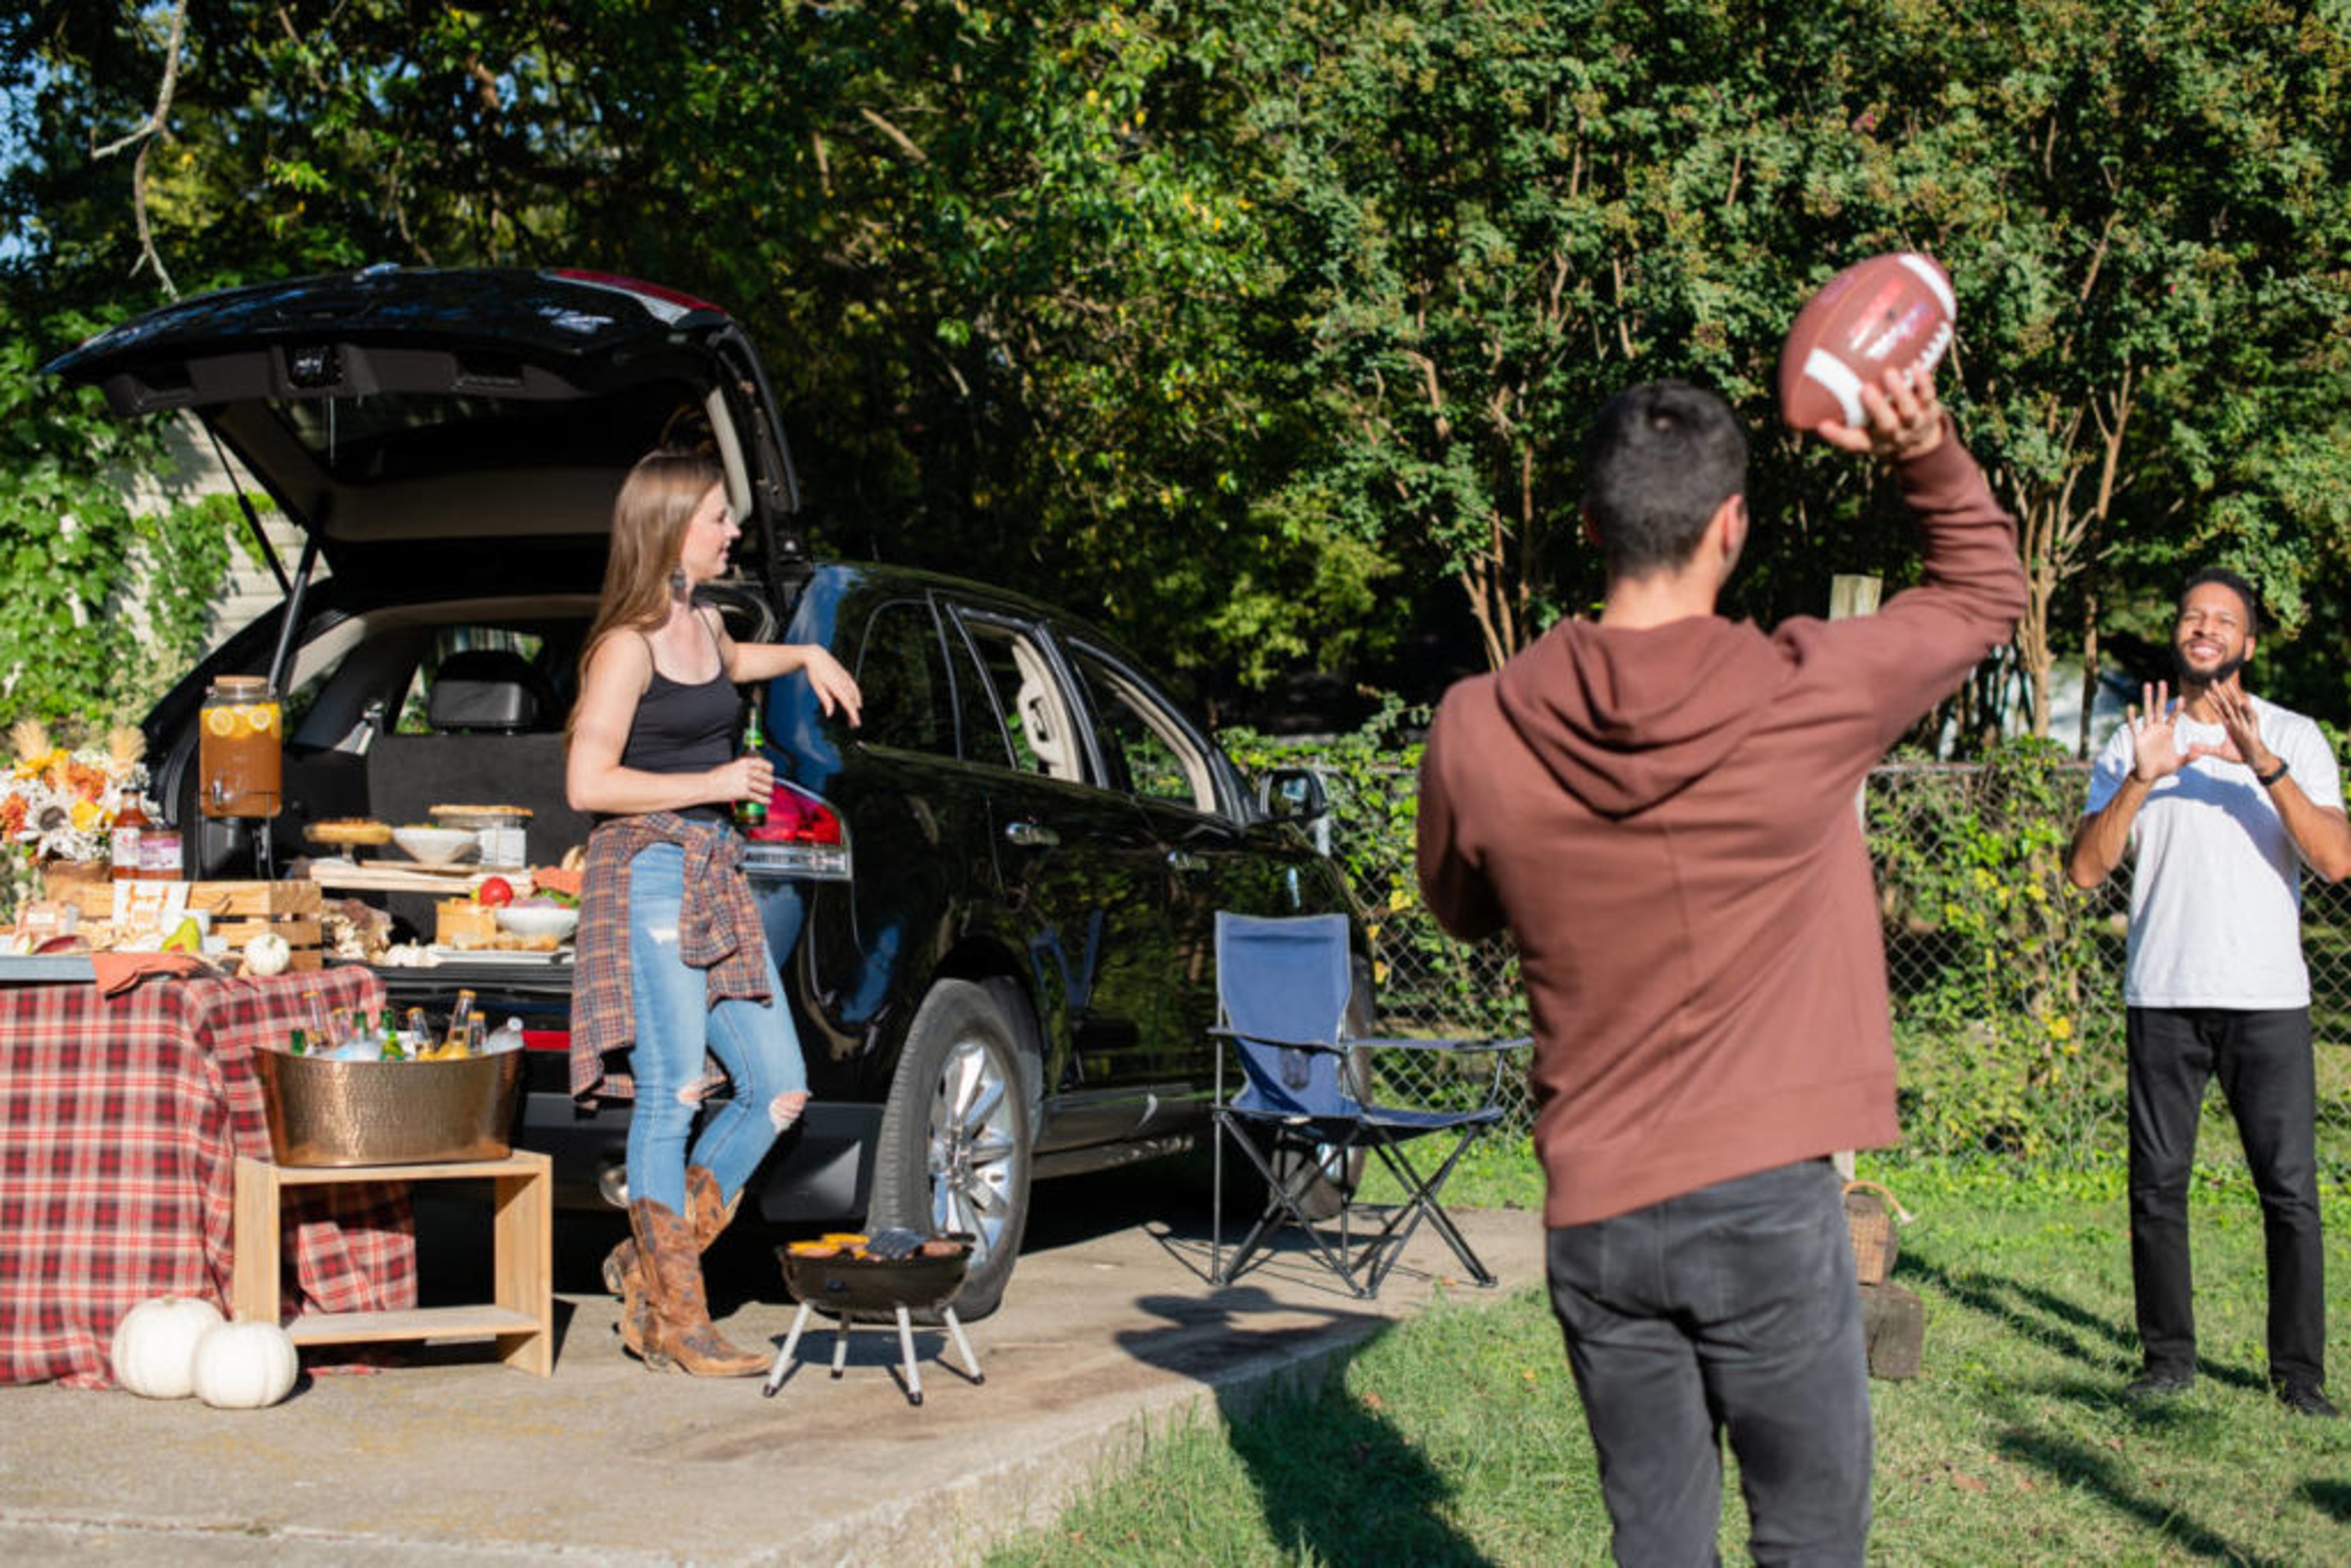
pixel 261 719
pixel 222 722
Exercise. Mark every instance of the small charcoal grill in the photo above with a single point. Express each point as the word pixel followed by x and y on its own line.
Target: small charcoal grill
pixel 882 1282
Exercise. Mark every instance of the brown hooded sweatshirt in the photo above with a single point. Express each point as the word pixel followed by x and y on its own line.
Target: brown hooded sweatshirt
pixel 1664 818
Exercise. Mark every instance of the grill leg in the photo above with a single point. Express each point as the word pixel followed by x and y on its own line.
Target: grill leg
pixel 841 1344
pixel 784 1356
pixel 906 1348
pixel 963 1347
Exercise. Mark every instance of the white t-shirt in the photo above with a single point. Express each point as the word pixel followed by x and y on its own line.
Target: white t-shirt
pixel 2215 886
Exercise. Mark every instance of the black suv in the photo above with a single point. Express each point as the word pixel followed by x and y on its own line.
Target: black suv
pixel 992 905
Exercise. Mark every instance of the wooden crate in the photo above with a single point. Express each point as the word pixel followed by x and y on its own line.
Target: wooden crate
pixel 243 910
pixel 86 886
pixel 240 911
pixel 268 899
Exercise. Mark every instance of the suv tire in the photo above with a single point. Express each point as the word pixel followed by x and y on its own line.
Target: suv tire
pixel 957 1135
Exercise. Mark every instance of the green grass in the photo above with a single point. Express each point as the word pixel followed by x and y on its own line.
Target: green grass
pixel 1456 1438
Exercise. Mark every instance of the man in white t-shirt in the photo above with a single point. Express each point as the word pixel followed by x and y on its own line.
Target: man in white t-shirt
pixel 2223 799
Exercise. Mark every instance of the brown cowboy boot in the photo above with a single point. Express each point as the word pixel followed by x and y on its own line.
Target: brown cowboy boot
pixel 676 1329
pixel 702 1206
pixel 709 1216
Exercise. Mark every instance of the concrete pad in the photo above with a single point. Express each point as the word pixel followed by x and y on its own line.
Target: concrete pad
pixel 1110 1330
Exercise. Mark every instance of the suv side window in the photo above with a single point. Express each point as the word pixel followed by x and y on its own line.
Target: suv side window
pixel 977 729
pixel 1028 699
pixel 1137 732
pixel 904 680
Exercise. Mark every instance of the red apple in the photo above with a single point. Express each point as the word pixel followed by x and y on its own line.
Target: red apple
pixel 493 892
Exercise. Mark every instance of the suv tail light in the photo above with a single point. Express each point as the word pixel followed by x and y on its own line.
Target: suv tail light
pixel 803 837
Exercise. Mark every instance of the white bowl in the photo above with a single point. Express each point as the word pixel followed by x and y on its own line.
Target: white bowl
pixel 435 846
pixel 539 919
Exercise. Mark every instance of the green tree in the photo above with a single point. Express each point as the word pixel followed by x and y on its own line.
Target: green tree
pixel 1246 324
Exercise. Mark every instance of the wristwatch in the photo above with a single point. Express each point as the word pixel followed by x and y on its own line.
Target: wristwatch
pixel 2272 775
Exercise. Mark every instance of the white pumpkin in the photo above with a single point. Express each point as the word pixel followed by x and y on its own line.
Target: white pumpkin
pixel 245 1367
pixel 154 1349
pixel 268 954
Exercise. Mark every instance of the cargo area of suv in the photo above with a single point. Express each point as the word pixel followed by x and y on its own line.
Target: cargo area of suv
pixel 991 905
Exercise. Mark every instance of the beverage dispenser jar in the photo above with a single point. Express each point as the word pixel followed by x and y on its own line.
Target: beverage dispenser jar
pixel 237 757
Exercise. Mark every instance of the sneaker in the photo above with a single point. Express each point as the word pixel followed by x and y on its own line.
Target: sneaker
pixel 2304 1399
pixel 2159 1385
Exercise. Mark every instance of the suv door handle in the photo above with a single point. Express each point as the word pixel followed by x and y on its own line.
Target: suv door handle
pixel 1031 835
pixel 1185 860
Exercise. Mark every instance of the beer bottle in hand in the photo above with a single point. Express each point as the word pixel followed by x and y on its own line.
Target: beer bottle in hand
pixel 752 814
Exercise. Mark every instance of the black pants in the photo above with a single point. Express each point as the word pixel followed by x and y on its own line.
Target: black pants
pixel 2263 1062
pixel 1730 1311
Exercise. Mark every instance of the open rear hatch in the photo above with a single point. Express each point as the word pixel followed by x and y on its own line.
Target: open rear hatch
pixel 410 419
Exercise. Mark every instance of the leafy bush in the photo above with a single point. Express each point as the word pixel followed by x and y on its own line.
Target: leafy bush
pixel 2006 977
pixel 73 654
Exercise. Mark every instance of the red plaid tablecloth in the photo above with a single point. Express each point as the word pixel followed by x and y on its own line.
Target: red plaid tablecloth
pixel 120 1121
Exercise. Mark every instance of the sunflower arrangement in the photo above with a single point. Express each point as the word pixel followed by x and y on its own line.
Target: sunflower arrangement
pixel 60 805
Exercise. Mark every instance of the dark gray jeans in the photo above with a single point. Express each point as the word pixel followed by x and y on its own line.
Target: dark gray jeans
pixel 1731 1310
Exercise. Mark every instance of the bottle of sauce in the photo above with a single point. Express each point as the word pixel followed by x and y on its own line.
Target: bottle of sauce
pixel 122 851
pixel 159 852
pixel 750 814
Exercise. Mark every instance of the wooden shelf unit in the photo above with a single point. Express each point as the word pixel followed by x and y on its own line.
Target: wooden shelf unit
pixel 522 1317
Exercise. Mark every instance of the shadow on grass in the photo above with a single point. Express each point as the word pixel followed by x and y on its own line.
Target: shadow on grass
pixel 2095 1341
pixel 2086 1470
pixel 2330 1498
pixel 1335 1480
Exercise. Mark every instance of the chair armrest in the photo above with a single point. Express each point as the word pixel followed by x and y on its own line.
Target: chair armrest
pixel 1221 1031
pixel 1454 1045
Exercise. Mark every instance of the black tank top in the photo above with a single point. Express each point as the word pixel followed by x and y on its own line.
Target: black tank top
pixel 682 729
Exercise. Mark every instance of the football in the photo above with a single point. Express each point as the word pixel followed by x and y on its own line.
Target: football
pixel 1889 312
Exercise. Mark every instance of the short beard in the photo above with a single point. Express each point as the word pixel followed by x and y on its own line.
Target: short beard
pixel 2221 672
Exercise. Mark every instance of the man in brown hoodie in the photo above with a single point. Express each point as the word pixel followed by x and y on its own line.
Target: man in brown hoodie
pixel 1660 806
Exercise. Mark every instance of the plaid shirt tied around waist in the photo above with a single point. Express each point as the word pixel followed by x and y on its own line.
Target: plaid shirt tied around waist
pixel 719 933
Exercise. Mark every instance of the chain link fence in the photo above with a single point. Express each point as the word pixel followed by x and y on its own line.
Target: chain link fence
pixel 2006 980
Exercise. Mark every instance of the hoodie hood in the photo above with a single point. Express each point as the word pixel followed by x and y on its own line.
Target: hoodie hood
pixel 1625 718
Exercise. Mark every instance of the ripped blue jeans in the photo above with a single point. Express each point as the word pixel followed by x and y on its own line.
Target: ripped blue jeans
pixel 754 1041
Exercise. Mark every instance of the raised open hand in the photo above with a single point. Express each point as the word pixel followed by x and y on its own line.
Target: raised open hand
pixel 2155 736
pixel 2244 727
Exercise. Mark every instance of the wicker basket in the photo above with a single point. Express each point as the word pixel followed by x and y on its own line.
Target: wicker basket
pixel 326 1113
pixel 1870 1212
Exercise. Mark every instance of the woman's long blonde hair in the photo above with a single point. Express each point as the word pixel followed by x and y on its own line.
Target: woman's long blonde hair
pixel 649 518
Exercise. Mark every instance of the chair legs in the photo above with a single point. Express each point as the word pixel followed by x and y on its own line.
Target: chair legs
pixel 1422 1204
pixel 1361 1266
pixel 1283 1203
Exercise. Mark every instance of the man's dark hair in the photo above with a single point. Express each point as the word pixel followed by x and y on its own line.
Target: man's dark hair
pixel 2234 584
pixel 1659 460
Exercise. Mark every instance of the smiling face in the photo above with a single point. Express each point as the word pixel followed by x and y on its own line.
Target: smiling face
pixel 710 532
pixel 2212 638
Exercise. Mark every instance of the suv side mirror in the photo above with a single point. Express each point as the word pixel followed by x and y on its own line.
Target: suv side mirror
pixel 1295 795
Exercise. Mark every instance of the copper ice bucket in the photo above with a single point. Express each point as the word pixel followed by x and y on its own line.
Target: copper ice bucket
pixel 327 1113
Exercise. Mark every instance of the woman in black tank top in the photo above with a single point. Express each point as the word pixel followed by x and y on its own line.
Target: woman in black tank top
pixel 672 965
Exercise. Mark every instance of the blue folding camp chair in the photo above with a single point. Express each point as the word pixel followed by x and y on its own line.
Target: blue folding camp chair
pixel 1303 1109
